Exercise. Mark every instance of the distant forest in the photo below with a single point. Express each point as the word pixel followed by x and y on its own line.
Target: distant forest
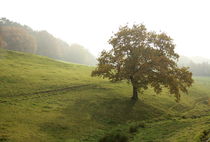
pixel 198 66
pixel 14 36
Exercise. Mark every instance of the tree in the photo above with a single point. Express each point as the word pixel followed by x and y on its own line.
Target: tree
pixel 14 36
pixel 17 38
pixel 143 58
pixel 47 45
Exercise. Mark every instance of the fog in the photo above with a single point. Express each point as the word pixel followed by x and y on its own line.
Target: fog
pixel 91 23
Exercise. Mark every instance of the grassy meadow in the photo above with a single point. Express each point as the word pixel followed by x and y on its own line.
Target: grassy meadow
pixel 43 100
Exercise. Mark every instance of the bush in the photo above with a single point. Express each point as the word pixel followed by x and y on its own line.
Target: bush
pixel 141 125
pixel 118 137
pixel 134 128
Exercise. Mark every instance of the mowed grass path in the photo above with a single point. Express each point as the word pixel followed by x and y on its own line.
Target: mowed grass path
pixel 46 100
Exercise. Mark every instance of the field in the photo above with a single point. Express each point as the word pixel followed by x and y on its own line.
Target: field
pixel 43 100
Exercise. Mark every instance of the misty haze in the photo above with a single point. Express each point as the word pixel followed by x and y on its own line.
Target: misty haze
pixel 104 71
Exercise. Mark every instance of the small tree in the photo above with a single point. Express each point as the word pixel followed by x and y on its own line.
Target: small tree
pixel 143 58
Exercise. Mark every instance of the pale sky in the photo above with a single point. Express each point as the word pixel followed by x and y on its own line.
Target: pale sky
pixel 92 22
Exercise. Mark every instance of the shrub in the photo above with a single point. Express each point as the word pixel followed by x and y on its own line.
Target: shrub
pixel 116 137
pixel 134 128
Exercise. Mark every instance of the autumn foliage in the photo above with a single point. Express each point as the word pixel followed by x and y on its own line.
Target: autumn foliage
pixel 144 59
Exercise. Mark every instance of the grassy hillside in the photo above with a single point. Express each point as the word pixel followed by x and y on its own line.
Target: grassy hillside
pixel 45 100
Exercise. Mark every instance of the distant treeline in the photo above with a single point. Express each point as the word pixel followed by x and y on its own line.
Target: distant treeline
pixel 198 69
pixel 14 36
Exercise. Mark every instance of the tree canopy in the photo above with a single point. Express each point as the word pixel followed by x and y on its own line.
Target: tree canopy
pixel 143 58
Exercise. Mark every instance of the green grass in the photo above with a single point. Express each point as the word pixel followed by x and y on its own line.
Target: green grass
pixel 46 100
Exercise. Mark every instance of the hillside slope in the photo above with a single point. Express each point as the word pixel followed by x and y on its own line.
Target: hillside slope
pixel 45 100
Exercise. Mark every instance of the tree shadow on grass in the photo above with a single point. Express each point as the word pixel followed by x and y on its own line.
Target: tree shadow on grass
pixel 111 110
pixel 86 116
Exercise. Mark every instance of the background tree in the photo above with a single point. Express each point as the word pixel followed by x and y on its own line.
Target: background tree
pixel 47 45
pixel 83 55
pixel 143 58
pixel 3 44
pixel 17 38
pixel 200 68
pixel 14 36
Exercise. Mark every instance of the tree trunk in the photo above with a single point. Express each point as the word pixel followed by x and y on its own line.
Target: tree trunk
pixel 135 93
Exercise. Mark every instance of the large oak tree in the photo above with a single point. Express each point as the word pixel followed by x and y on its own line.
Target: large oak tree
pixel 143 58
